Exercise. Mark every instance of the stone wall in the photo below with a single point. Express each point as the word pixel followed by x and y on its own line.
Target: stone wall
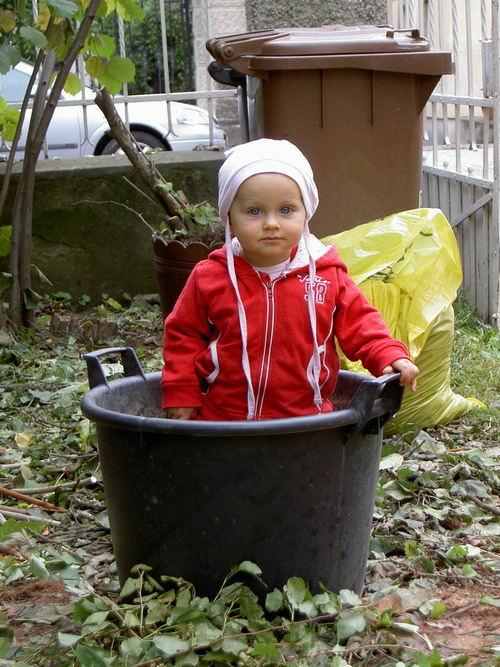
pixel 263 14
pixel 87 239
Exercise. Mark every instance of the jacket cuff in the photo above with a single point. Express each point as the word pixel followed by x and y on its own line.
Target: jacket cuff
pixel 387 357
pixel 181 396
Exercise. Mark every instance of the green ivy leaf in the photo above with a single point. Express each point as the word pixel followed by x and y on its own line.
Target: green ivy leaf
pixel 92 657
pixel 169 645
pixel 468 571
pixel 337 661
pixel 350 623
pixel 66 639
pixel 274 600
pixel 246 565
pixel 187 660
pixel 111 84
pixel 391 462
pixel 95 67
pixel 205 632
pixel 6 637
pixel 349 598
pixel 119 70
pixel 31 298
pixel 456 553
pixel 5 234
pixel 265 650
pixel 96 621
pixel 37 274
pixel 488 600
pixel 34 36
pixel 327 602
pixel 133 648
pixel 234 646
pixel 438 609
pixel 66 8
pixel 129 10
pixel 249 605
pixel 296 591
pixel 73 84
pixel 9 57
pixel 101 45
pixel 7 20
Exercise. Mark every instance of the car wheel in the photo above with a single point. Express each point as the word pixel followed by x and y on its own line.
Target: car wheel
pixel 145 140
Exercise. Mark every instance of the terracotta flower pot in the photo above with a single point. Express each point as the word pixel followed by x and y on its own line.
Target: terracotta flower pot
pixel 174 261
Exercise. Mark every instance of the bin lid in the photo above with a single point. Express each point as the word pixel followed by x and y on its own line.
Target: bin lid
pixel 328 46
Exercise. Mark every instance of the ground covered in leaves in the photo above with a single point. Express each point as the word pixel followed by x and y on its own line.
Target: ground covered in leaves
pixel 431 597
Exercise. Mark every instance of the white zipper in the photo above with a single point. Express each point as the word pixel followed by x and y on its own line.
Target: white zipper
pixel 268 341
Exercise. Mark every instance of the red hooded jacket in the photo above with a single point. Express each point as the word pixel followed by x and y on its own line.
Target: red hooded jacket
pixel 203 347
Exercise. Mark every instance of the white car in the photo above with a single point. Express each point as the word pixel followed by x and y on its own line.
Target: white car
pixel 66 136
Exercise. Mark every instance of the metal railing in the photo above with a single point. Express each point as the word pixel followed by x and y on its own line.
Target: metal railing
pixel 460 112
pixel 461 172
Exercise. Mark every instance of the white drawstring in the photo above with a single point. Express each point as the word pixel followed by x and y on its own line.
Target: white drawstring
pixel 311 306
pixel 245 361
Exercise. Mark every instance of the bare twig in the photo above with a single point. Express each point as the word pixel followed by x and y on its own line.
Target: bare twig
pixel 483 505
pixel 40 490
pixel 33 501
pixel 117 203
pixel 14 514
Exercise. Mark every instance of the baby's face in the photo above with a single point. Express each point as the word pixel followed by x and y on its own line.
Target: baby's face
pixel 267 216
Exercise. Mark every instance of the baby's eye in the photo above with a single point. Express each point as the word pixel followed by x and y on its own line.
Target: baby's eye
pixel 286 210
pixel 254 211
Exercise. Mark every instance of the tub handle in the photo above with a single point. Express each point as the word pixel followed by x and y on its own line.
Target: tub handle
pixel 384 389
pixel 95 371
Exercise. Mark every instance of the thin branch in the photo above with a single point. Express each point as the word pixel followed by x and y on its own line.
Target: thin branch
pixel 483 505
pixel 133 185
pixel 14 514
pixel 28 499
pixel 116 203
pixel 39 490
pixel 17 135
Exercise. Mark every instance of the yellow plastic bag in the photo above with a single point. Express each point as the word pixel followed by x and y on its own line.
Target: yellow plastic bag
pixel 408 266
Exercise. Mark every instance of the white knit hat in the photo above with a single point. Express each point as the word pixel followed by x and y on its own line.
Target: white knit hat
pixel 269 156
pixel 261 157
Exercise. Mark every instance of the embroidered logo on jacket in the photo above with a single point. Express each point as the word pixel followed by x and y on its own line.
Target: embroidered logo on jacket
pixel 320 287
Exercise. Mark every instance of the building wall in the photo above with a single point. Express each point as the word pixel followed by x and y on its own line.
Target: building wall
pixel 263 14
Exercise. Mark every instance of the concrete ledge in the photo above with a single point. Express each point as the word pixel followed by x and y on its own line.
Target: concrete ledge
pixel 86 237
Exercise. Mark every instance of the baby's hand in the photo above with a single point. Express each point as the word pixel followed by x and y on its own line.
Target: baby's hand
pixel 408 372
pixel 180 413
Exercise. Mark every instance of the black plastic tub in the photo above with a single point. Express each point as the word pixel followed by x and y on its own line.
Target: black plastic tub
pixel 191 499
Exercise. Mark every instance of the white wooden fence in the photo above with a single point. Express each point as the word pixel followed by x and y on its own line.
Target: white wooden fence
pixel 461 153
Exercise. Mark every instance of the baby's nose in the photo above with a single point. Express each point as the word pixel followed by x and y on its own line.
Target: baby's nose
pixel 271 220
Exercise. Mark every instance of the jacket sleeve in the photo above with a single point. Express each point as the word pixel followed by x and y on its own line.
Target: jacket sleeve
pixel 361 331
pixel 186 334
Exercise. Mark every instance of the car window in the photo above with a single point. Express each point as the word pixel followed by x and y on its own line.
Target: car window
pixel 13 85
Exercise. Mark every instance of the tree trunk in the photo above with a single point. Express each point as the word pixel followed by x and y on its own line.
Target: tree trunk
pixel 17 136
pixel 20 260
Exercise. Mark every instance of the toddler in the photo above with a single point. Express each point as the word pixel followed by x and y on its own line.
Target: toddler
pixel 252 336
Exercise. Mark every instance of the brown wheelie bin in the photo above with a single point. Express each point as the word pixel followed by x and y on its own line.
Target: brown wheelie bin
pixel 351 98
